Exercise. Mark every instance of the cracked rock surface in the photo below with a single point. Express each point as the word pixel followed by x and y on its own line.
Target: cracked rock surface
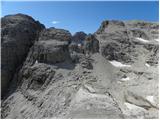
pixel 112 73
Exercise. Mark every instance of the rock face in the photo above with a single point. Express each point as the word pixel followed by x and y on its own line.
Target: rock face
pixel 51 47
pixel 18 34
pixel 79 37
pixel 77 42
pixel 120 40
pixel 114 41
pixel 91 44
pixel 37 76
pixel 112 73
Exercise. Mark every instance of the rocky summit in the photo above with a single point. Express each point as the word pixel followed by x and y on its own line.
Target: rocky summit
pixel 50 73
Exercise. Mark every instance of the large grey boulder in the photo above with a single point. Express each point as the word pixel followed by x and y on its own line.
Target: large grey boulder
pixel 18 34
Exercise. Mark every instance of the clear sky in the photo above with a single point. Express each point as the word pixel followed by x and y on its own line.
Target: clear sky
pixel 83 16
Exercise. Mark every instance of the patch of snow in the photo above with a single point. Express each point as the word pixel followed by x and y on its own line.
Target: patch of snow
pixel 125 79
pixel 150 98
pixel 79 45
pixel 142 40
pixel 147 65
pixel 156 40
pixel 36 61
pixel 118 64
pixel 132 106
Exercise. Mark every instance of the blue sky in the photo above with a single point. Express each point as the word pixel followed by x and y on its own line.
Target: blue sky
pixel 83 16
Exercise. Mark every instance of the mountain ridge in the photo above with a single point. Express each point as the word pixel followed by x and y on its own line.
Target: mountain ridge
pixel 108 74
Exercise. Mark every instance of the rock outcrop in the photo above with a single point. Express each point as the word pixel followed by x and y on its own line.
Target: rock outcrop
pixel 91 44
pixel 51 47
pixel 79 37
pixel 121 40
pixel 19 32
pixel 77 43
pixel 114 41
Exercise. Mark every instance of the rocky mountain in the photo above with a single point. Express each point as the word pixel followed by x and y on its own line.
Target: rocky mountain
pixel 48 73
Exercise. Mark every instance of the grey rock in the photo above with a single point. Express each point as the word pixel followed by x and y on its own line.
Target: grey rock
pixel 79 37
pixel 139 33
pixel 74 47
pixel 91 44
pixel 153 57
pixel 37 76
pixel 113 51
pixel 138 100
pixel 86 62
pixel 114 41
pixel 18 34
pixel 77 43
pixel 118 39
pixel 55 34
pixel 51 47
pixel 110 26
pixel 75 56
pixel 150 28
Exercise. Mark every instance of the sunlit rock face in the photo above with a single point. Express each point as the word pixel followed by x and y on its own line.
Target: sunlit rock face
pixel 123 41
